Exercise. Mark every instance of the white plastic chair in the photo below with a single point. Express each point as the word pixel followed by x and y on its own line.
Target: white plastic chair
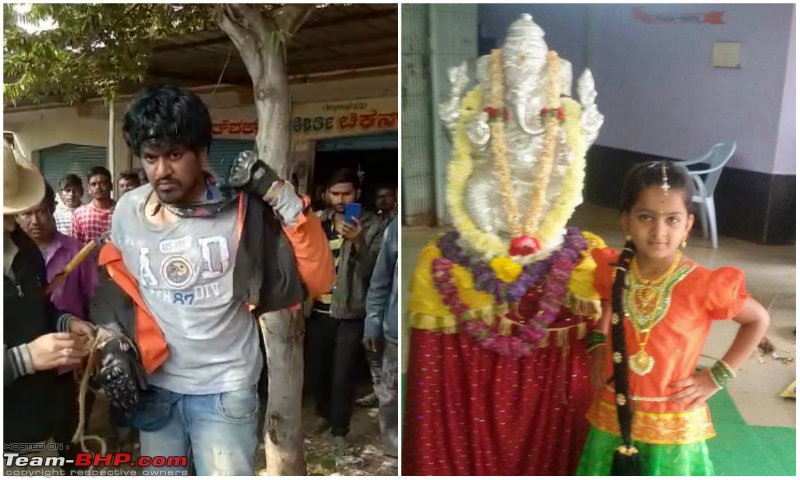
pixel 717 157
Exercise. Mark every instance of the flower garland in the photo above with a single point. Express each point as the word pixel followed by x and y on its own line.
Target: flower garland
pixel 489 244
pixel 492 277
pixel 545 166
pixel 556 271
pixel 502 170
pixel 571 194
pixel 459 170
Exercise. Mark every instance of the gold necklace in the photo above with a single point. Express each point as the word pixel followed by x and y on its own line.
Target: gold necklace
pixel 644 297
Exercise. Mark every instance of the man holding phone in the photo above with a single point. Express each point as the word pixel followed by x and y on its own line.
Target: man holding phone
pixel 336 326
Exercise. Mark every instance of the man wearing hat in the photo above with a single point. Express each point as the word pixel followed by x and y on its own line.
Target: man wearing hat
pixel 37 338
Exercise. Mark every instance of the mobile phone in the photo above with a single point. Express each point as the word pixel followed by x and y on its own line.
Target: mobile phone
pixel 352 212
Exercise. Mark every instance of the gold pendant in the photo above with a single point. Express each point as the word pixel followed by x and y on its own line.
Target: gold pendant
pixel 641 363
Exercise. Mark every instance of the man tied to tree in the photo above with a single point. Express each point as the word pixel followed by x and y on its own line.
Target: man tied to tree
pixel 71 194
pixel 94 218
pixel 194 257
pixel 336 326
pixel 71 295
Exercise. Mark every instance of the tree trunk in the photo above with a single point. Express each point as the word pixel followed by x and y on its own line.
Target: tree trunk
pixel 257 38
pixel 283 337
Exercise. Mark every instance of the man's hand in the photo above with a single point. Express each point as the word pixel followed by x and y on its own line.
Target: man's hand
pixel 350 231
pixel 55 350
pixel 83 332
pixel 250 173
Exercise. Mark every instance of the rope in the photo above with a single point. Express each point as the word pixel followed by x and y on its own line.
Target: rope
pixel 79 437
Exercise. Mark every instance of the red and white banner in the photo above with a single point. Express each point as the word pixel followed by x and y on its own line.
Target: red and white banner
pixel 713 18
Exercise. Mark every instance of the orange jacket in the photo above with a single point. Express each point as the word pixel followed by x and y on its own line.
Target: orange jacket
pixel 314 264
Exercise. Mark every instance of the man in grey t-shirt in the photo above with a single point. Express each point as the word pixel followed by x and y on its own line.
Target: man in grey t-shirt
pixel 179 238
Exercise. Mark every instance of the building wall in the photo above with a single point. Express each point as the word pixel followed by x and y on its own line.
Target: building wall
pixel 786 151
pixel 434 39
pixel 418 203
pixel 661 95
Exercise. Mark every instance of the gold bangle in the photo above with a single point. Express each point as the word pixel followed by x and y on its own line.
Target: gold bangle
pixel 714 380
pixel 730 369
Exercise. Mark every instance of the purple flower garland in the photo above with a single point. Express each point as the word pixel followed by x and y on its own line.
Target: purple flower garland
pixel 556 270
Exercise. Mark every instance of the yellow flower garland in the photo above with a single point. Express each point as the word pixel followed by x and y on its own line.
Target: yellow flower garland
pixel 545 165
pixel 571 193
pixel 458 172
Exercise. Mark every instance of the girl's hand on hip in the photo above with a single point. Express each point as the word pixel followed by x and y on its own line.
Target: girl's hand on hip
pixel 695 390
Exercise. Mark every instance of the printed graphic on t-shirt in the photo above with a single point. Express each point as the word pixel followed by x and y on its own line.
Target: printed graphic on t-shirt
pixel 185 271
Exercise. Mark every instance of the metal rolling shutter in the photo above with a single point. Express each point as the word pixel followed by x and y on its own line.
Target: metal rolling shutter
pixel 56 162
pixel 223 152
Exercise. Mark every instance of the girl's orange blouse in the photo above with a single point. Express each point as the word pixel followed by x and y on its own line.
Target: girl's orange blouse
pixel 675 343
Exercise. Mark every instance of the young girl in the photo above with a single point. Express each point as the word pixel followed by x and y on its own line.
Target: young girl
pixel 649 415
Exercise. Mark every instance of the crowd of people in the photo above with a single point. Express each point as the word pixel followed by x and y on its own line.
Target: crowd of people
pixel 185 262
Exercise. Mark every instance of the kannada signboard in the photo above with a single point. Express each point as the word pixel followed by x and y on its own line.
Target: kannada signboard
pixel 311 121
pixel 341 119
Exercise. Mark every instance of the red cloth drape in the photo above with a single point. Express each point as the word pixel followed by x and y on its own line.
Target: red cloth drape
pixel 469 411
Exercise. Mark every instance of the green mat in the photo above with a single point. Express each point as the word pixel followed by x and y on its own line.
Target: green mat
pixel 741 449
pixel 738 448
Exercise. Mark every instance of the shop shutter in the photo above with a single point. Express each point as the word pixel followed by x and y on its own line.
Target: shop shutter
pixel 381 141
pixel 56 162
pixel 223 152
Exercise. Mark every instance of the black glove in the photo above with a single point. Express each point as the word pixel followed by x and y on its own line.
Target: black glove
pixel 251 174
pixel 120 373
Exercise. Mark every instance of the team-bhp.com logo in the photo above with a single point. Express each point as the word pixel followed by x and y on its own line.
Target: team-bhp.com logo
pixel 122 463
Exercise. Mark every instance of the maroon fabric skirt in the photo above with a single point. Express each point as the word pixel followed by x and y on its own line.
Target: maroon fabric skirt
pixel 469 411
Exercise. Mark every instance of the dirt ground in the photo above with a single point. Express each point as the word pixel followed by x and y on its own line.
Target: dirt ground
pixel 363 456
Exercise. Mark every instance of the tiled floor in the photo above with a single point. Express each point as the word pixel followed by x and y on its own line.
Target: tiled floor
pixel 771 279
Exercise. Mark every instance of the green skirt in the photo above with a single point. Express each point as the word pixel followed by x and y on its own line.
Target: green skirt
pixel 668 460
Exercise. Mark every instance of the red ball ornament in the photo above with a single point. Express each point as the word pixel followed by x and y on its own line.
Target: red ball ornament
pixel 524 245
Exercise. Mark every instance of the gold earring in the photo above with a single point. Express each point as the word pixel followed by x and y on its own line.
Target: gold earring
pixel 683 243
pixel 628 238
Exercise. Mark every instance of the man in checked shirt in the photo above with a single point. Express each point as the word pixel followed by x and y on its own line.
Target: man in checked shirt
pixel 94 218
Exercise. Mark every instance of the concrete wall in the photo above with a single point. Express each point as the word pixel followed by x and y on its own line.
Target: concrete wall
pixel 786 151
pixel 435 38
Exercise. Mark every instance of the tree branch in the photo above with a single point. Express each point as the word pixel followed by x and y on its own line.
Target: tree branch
pixel 291 17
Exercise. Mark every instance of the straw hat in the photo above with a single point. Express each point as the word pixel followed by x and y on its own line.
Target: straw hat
pixel 23 186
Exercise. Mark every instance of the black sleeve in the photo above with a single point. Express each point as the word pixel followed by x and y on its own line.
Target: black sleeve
pixel 30 250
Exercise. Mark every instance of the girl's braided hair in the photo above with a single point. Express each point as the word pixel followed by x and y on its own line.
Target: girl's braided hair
pixel 626 461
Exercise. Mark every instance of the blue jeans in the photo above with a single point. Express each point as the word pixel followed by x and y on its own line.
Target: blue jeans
pixel 219 431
